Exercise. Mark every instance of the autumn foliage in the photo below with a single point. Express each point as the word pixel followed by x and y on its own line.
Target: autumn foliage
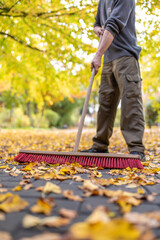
pixel 91 182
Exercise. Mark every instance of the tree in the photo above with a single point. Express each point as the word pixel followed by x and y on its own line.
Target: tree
pixel 151 114
pixel 149 37
pixel 41 43
pixel 45 45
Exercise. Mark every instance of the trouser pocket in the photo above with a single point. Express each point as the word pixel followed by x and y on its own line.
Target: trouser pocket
pixel 133 86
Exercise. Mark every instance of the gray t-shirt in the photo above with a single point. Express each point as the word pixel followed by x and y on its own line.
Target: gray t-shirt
pixel 118 17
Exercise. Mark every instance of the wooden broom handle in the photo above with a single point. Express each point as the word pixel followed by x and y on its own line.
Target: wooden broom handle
pixel 85 107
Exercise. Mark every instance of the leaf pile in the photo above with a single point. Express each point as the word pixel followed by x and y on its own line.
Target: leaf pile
pixel 113 185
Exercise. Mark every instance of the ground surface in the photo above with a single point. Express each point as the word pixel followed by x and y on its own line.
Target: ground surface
pixel 41 201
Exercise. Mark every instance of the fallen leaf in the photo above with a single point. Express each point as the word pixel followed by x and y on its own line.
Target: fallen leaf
pixel 3 167
pixel 5 236
pixel 77 178
pixel 32 221
pixel 67 213
pixel 67 170
pixel 28 186
pixel 100 214
pixel 51 188
pixel 12 203
pixel 97 174
pixel 2 190
pixel 142 219
pixel 111 230
pixel 140 191
pixel 150 198
pixel 43 206
pixel 24 182
pixel 132 185
pixel 2 216
pixel 87 184
pixel 55 221
pixel 69 194
pixel 17 188
pixel 123 198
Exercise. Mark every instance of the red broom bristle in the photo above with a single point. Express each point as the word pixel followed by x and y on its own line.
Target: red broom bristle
pixel 106 162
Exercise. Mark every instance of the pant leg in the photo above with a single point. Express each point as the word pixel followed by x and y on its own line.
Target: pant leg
pixel 127 74
pixel 108 101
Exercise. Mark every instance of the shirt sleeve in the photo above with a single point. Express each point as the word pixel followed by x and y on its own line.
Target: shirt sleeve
pixel 97 18
pixel 119 16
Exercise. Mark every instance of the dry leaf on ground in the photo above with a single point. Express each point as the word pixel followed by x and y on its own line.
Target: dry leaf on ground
pixel 125 199
pixel 2 216
pixel 5 236
pixel 43 206
pixel 87 184
pixel 12 203
pixel 51 188
pixel 111 230
pixel 151 220
pixel 100 214
pixel 17 188
pixel 70 195
pixel 67 213
pixel 32 221
pixel 77 178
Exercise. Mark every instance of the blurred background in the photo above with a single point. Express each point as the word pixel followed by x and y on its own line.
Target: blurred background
pixel 46 47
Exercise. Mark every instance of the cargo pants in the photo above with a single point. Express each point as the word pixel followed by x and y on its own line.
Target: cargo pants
pixel 120 79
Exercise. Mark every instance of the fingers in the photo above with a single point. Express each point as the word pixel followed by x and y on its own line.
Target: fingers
pixel 100 31
pixel 94 66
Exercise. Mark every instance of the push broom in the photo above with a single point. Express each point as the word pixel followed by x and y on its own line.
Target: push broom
pixel 105 160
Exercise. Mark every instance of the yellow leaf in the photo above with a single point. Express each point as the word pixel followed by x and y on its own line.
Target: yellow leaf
pixel 69 194
pixel 140 191
pixel 100 214
pixel 51 188
pixel 1 167
pixel 12 203
pixel 97 174
pixel 17 188
pixel 5 236
pixel 43 206
pixel 32 221
pixel 68 213
pixel 113 230
pixel 29 166
pixel 125 206
pixel 87 184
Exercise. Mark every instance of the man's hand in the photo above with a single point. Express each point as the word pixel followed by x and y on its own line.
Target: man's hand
pixel 99 31
pixel 104 45
pixel 96 62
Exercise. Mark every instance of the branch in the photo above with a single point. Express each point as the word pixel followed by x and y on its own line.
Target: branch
pixel 50 13
pixel 21 42
pixel 7 9
pixel 14 5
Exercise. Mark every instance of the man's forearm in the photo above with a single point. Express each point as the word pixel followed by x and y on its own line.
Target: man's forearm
pixel 105 42
pixel 104 45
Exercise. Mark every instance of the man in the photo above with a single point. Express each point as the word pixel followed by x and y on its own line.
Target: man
pixel 120 77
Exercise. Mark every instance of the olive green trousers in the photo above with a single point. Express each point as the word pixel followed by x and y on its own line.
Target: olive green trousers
pixel 120 79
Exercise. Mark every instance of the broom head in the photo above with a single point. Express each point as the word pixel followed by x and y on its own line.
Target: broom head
pixel 105 160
